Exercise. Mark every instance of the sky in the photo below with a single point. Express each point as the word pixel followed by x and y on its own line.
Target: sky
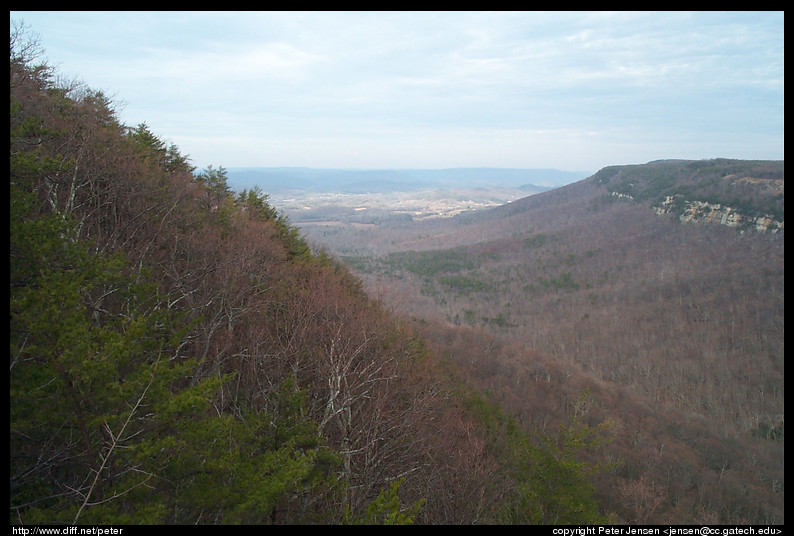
pixel 427 90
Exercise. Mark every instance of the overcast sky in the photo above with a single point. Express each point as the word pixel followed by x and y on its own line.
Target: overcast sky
pixel 566 90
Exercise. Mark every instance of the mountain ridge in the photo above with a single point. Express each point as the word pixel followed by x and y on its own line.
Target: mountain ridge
pixel 722 184
pixel 279 179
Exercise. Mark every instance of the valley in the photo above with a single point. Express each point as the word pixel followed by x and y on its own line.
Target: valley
pixel 317 208
pixel 354 224
pixel 642 307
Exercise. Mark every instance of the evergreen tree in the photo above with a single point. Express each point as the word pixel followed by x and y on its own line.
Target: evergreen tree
pixel 216 185
pixel 156 150
pixel 385 509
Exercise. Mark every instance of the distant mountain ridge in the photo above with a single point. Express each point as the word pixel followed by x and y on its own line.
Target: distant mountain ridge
pixel 745 194
pixel 280 179
pixel 742 194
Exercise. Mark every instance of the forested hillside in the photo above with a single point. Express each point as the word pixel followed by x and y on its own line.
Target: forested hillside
pixel 659 286
pixel 609 274
pixel 178 355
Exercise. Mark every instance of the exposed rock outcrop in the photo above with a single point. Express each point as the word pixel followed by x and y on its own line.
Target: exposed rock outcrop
pixel 696 211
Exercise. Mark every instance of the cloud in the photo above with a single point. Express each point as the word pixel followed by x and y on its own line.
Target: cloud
pixel 501 87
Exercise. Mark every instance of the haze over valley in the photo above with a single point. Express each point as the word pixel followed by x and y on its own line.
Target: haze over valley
pixel 323 197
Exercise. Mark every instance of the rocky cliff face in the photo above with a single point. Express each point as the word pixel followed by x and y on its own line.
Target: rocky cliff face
pixel 696 211
pixel 742 194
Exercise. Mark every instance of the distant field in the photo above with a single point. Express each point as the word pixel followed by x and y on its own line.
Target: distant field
pixel 416 205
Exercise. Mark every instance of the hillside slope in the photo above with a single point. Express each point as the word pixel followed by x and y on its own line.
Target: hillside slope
pixel 670 301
